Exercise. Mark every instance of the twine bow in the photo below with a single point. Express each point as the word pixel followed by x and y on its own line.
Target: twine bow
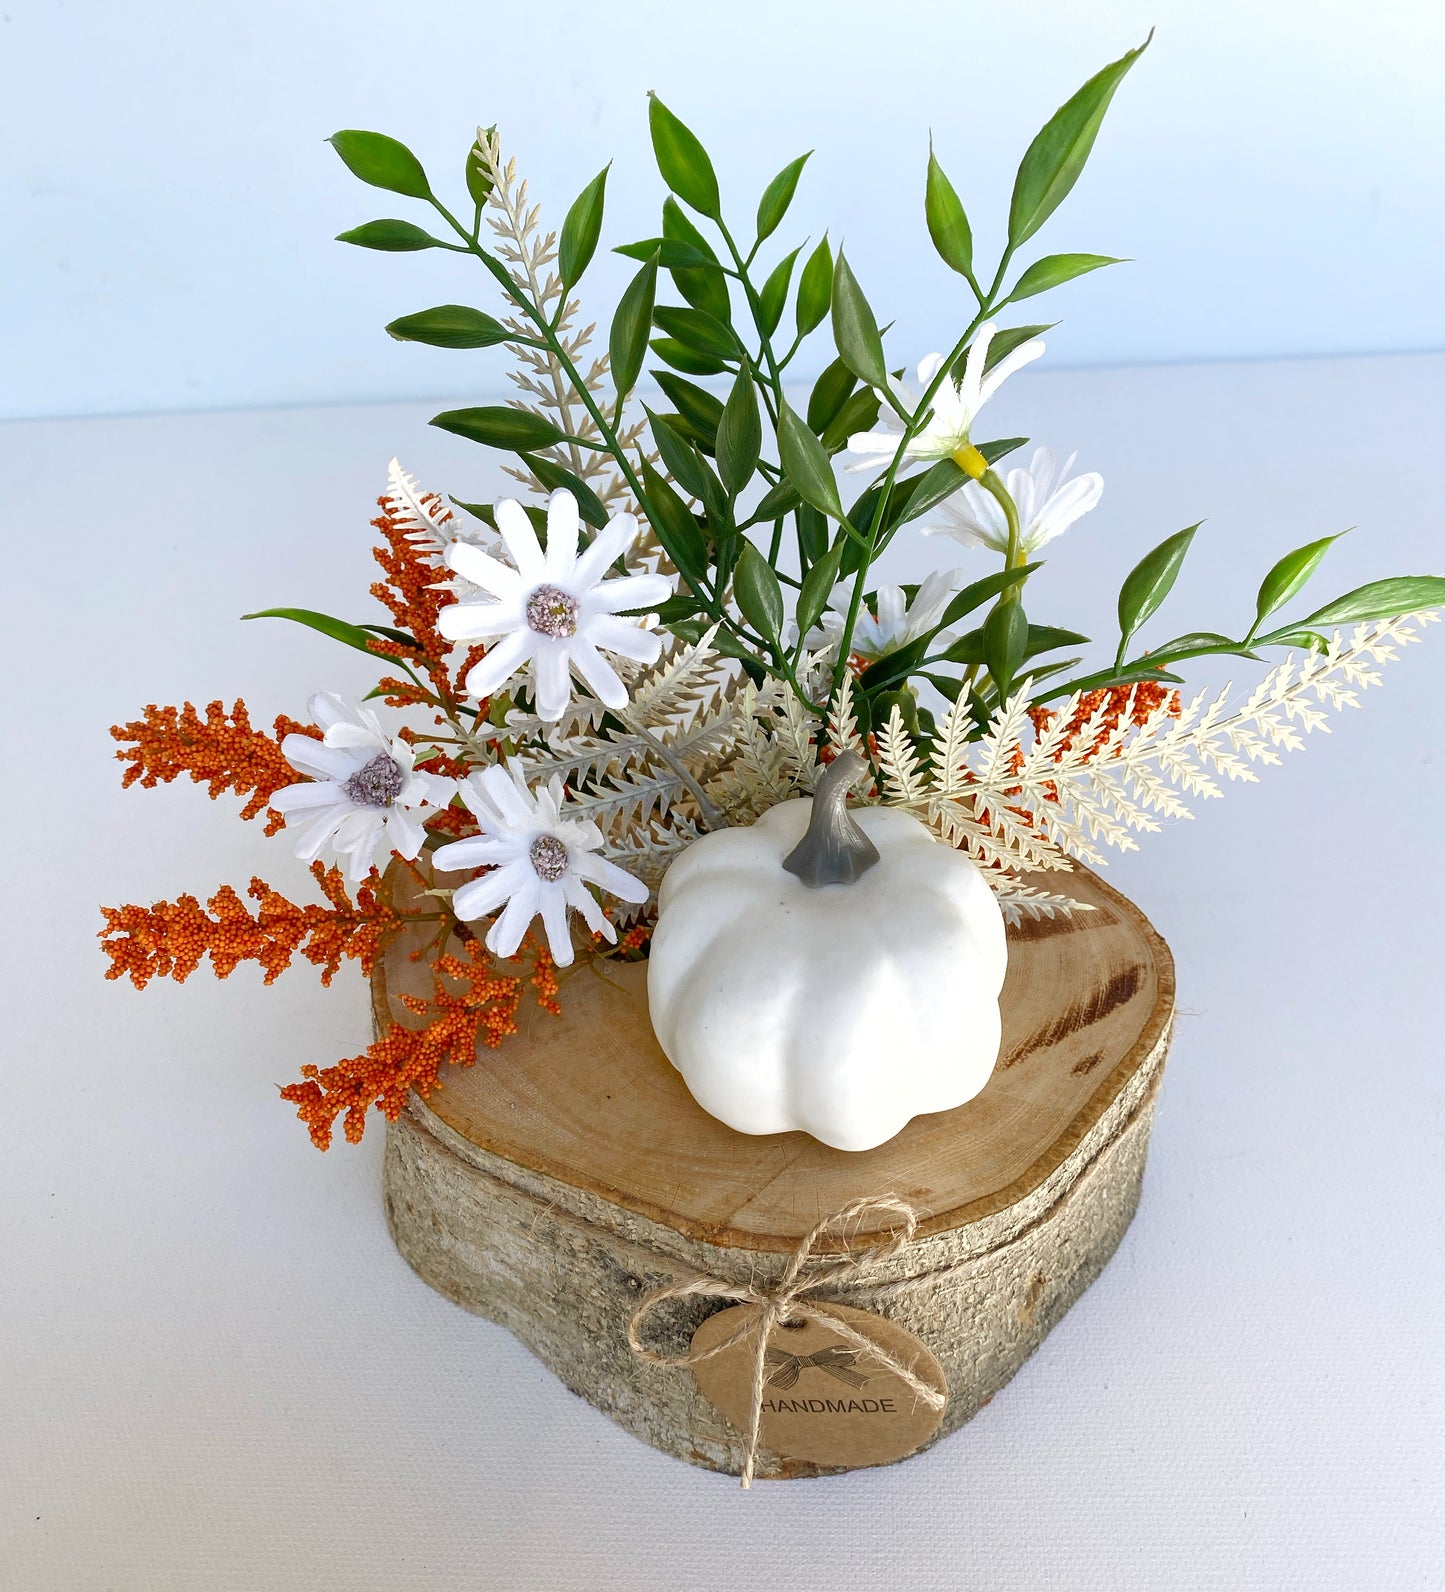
pixel 838 1363
pixel 786 1300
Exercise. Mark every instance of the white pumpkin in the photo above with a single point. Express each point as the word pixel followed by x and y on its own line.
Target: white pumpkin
pixel 842 1009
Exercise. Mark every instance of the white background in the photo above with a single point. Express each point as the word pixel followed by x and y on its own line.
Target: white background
pixel 215 1371
pixel 1273 167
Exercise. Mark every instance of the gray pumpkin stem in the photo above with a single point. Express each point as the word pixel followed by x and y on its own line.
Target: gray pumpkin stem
pixel 834 850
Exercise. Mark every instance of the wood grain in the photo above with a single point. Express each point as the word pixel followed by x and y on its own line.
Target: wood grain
pixel 589 1099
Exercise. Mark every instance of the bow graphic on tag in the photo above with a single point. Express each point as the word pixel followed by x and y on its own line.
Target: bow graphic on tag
pixel 836 1361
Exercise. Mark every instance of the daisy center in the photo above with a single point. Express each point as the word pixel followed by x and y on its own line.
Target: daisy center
pixel 549 858
pixel 378 784
pixel 552 612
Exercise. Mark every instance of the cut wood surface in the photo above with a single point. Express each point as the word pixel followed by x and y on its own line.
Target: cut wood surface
pixel 588 1098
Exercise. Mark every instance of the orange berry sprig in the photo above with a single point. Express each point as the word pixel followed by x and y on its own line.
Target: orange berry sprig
pixel 223 751
pixel 172 938
pixel 482 1012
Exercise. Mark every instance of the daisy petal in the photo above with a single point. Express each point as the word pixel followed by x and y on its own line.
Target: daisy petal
pixel 297 798
pixel 561 536
pixel 307 755
pixel 593 916
pixel 606 548
pixel 479 898
pixel 506 933
pixel 616 881
pixel 624 636
pixel 626 591
pixel 478 621
pixel 602 679
pixel 552 679
pixel 521 541
pixel 500 663
pixel 481 569
pixel 554 921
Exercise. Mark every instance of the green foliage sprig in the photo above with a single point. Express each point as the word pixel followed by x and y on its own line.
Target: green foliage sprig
pixel 730 483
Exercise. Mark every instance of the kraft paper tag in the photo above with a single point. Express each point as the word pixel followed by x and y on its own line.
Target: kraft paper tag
pixel 825 1400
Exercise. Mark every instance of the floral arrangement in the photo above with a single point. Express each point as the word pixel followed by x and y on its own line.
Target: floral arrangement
pixel 675 624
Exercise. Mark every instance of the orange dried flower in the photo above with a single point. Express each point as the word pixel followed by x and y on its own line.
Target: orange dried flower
pixel 483 1010
pixel 172 938
pixel 1138 701
pixel 413 595
pixel 222 751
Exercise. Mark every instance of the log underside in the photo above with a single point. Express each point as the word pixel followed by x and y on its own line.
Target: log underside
pixel 569 1172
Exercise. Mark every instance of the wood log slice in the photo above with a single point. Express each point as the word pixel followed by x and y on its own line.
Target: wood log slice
pixel 569 1171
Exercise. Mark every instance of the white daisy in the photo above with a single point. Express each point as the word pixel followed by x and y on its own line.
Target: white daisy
pixel 553 610
pixel 362 793
pixel 536 862
pixel 955 405
pixel 1048 503
pixel 893 622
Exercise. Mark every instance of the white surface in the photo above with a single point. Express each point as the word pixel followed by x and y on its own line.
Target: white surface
pixel 216 1372
pixel 1275 170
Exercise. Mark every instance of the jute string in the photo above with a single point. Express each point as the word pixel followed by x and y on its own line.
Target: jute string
pixel 787 1300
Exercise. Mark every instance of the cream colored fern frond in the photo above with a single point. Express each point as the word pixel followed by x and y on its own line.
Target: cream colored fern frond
pixel 544 384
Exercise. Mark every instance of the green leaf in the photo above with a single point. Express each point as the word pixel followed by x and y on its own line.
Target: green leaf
pixel 739 435
pixel 1382 599
pixel 581 230
pixel 479 185
pixel 815 290
pixel 778 195
pixel 699 331
pixel 1052 163
pixel 683 462
pixel 497 426
pixel 681 228
pixel 1053 270
pixel 358 636
pixel 818 586
pixel 701 409
pixel 627 342
pixel 947 224
pixel 969 649
pixel 860 413
pixel 670 255
pixel 778 500
pixel 698 277
pixel 555 478
pixel 673 608
pixel 855 330
pixel 1196 644
pixel 830 392
pixel 1149 583
pixel 805 463
pixel 981 591
pixel 382 162
pixel 812 529
pixel 449 326
pixel 706 289
pixel 1005 635
pixel 1289 575
pixel 683 358
pixel 390 235
pixel 487 514
pixel 758 594
pixel 674 526
pixel 774 293
pixel 682 160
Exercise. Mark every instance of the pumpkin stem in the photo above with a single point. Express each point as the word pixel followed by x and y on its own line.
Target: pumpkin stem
pixel 834 850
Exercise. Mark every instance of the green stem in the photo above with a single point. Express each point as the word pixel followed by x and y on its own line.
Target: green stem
pixel 911 428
